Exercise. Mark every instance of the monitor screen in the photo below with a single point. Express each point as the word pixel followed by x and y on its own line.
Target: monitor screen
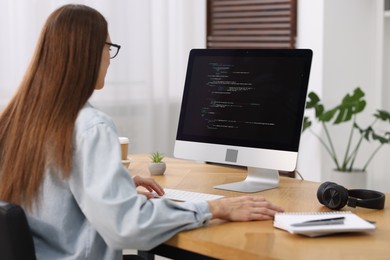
pixel 244 107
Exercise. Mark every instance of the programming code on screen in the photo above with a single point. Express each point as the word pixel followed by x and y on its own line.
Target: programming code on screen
pixel 250 101
pixel 231 93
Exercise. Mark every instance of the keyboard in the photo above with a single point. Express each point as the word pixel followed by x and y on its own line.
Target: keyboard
pixel 181 195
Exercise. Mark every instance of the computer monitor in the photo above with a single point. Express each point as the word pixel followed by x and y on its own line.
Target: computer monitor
pixel 244 107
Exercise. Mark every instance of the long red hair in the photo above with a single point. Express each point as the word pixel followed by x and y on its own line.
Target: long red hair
pixel 36 127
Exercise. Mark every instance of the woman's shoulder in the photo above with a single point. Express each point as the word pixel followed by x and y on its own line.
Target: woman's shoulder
pixel 90 116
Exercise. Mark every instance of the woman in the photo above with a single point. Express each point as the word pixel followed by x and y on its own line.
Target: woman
pixel 60 157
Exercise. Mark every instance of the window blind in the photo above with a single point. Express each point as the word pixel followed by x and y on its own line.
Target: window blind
pixel 251 23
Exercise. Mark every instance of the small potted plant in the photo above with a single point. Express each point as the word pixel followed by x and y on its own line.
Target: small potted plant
pixel 346 112
pixel 157 166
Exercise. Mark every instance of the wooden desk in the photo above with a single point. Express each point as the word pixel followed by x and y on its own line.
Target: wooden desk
pixel 259 239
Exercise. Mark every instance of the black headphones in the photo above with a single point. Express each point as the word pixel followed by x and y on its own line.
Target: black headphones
pixel 336 197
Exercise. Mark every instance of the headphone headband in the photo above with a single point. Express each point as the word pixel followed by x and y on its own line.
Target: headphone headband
pixel 366 198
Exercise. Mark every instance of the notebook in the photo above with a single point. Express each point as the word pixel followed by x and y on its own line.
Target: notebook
pixel 314 224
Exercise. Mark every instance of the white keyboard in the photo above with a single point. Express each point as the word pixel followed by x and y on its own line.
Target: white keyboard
pixel 181 195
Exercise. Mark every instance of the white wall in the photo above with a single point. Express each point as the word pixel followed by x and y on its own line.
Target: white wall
pixel 347 39
pixel 310 35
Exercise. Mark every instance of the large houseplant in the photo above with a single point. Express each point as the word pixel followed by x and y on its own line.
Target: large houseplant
pixel 346 112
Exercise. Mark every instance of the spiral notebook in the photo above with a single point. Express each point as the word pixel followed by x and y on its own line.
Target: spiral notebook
pixel 314 224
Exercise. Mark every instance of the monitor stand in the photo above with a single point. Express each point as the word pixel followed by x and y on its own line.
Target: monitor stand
pixel 258 179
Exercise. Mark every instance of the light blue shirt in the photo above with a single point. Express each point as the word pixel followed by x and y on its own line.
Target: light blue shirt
pixel 97 212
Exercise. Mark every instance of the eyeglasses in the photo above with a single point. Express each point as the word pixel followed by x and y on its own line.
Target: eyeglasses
pixel 113 51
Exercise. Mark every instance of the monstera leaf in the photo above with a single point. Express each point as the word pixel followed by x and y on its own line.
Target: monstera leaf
pixel 350 106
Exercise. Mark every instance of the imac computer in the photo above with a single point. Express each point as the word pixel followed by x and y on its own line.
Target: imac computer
pixel 244 107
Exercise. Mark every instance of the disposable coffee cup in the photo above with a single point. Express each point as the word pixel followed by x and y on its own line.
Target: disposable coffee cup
pixel 124 141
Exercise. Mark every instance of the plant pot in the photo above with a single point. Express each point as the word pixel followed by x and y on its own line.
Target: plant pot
pixel 157 168
pixel 356 179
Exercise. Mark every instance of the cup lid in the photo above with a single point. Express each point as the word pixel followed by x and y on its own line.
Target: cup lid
pixel 123 140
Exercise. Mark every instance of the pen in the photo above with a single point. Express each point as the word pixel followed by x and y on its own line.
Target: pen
pixel 318 222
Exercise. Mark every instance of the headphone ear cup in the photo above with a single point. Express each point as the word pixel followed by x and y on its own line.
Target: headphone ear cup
pixel 321 189
pixel 335 196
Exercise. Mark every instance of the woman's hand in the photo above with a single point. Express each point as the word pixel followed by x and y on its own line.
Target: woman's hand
pixel 150 184
pixel 244 208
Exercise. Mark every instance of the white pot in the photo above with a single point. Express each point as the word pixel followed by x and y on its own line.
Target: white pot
pixel 356 179
pixel 157 168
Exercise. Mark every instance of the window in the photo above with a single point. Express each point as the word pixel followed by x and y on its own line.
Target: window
pixel 251 23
